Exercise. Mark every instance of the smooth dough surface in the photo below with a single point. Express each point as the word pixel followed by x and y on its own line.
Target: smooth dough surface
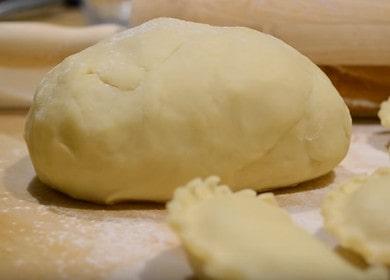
pixel 357 214
pixel 243 236
pixel 139 114
pixel 384 113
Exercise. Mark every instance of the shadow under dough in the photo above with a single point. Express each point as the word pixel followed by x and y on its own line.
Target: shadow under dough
pixel 169 264
pixel 314 184
pixel 348 255
pixel 352 257
pixel 380 140
pixel 365 120
pixel 20 181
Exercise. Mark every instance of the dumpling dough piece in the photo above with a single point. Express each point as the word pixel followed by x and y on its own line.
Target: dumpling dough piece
pixel 243 236
pixel 384 113
pixel 357 214
pixel 139 114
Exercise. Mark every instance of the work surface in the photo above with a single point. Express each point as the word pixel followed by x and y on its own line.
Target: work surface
pixel 46 235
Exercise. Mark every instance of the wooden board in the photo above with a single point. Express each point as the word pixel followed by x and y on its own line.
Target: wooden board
pixel 46 235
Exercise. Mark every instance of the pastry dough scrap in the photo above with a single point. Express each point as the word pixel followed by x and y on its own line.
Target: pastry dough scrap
pixel 384 113
pixel 243 236
pixel 357 214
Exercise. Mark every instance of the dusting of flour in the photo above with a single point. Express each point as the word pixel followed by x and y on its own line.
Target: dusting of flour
pixel 54 237
pixel 46 235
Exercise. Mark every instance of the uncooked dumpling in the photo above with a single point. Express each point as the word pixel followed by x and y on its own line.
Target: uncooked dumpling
pixel 137 115
pixel 357 214
pixel 384 113
pixel 243 236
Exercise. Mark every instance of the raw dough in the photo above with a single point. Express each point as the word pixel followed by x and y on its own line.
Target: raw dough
pixel 243 236
pixel 384 113
pixel 137 115
pixel 357 214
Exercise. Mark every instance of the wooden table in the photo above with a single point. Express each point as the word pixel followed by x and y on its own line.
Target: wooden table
pixel 46 235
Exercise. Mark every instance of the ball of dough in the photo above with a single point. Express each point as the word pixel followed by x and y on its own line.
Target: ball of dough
pixel 139 114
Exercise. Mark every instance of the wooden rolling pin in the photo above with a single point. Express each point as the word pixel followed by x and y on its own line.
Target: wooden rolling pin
pixel 346 32
pixel 29 50
pixel 349 39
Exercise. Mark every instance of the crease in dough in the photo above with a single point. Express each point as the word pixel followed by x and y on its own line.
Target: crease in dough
pixel 357 214
pixel 244 236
